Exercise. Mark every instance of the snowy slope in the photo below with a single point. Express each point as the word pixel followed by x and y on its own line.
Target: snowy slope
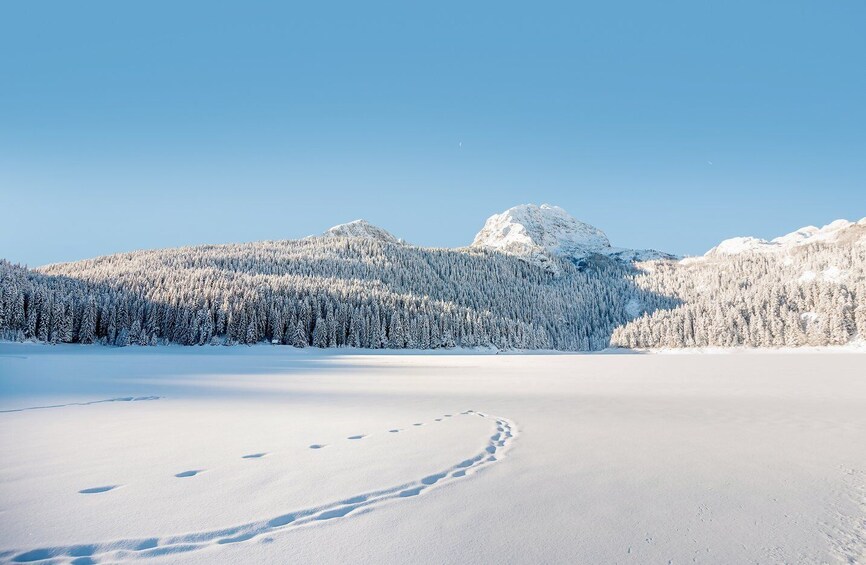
pixel 629 459
pixel 539 232
pixel 835 232
pixel 362 229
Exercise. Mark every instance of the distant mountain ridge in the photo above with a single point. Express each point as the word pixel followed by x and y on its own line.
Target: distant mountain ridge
pixel 834 232
pixel 538 233
pixel 531 232
pixel 534 277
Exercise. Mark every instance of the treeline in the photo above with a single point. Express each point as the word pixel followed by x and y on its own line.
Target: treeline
pixel 322 292
pixel 353 292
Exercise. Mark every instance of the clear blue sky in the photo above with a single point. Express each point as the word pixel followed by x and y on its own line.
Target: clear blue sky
pixel 670 125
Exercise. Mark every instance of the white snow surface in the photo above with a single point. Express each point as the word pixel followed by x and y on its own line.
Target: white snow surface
pixel 361 229
pixel 537 232
pixel 830 233
pixel 834 274
pixel 737 245
pixel 272 455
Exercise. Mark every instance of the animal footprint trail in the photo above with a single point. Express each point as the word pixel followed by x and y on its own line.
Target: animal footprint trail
pixel 498 443
pixel 193 472
pixel 120 399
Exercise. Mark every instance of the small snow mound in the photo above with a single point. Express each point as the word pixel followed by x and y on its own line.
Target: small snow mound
pixel 809 317
pixel 833 274
pixel 796 236
pixel 738 245
pixel 831 231
pixel 807 277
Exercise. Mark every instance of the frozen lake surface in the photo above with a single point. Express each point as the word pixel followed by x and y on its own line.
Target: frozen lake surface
pixel 271 455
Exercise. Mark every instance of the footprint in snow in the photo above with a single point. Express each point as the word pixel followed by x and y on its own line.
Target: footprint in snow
pixel 98 490
pixel 191 473
pixel 360 436
pixel 254 455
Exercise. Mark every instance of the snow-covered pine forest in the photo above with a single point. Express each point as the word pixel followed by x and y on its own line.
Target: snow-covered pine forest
pixel 322 292
pixel 811 294
pixel 535 278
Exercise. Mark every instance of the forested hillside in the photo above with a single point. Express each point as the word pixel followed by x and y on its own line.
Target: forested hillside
pixel 811 294
pixel 534 278
pixel 325 292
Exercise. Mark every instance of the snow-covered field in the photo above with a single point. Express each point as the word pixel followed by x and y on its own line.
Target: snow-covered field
pixel 266 455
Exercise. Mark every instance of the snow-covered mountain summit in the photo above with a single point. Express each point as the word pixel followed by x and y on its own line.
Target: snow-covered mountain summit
pixel 362 229
pixel 840 231
pixel 539 232
pixel 529 229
